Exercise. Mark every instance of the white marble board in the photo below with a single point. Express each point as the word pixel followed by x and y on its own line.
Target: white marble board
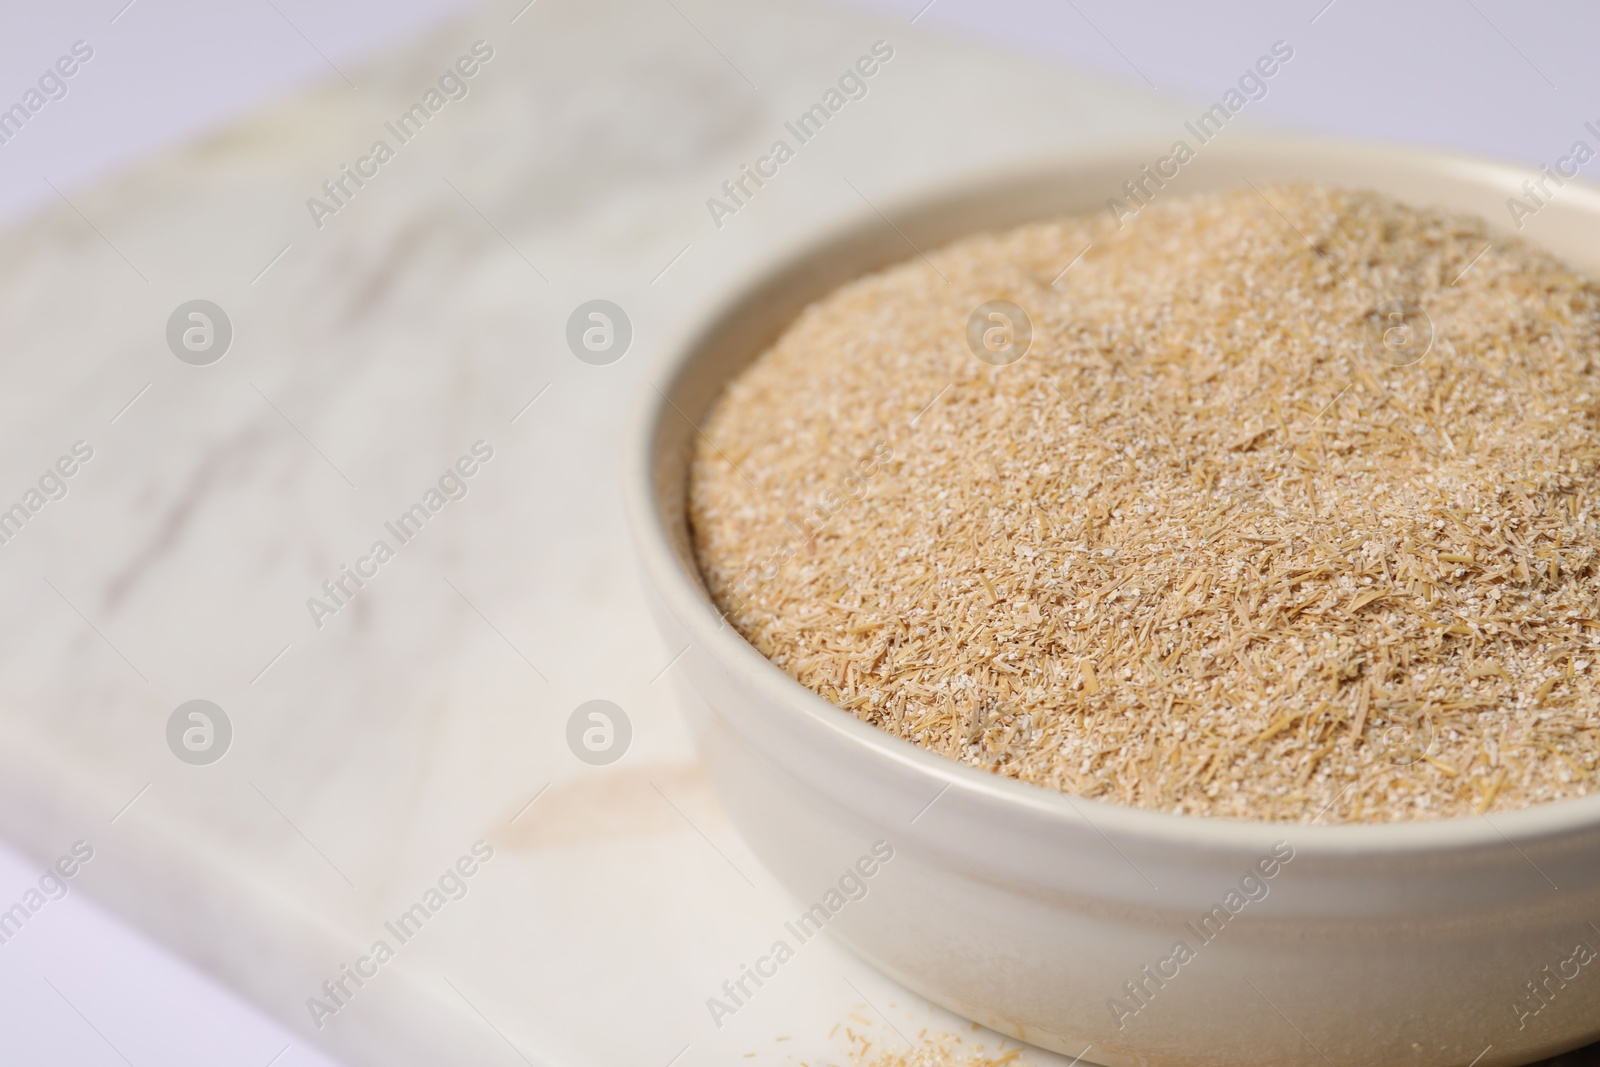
pixel 368 354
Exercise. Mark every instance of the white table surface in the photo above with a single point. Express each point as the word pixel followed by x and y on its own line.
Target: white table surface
pixel 375 750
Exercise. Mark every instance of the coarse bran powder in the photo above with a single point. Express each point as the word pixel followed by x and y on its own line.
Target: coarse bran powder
pixel 1206 548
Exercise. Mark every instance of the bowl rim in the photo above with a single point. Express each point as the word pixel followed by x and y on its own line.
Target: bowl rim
pixel 684 596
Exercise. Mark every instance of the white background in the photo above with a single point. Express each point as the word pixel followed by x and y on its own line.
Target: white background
pixel 1487 76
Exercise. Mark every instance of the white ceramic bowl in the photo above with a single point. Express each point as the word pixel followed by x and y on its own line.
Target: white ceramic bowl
pixel 1028 910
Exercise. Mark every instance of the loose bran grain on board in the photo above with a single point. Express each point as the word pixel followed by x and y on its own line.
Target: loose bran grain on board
pixel 1205 549
pixel 939 1049
pixel 936 1053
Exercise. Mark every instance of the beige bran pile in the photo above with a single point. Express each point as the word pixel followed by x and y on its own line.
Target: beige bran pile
pixel 1205 548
